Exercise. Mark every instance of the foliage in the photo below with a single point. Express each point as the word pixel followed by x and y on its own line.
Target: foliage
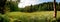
pixel 13 6
pixel 2 4
pixel 4 18
pixel 46 6
pixel 10 5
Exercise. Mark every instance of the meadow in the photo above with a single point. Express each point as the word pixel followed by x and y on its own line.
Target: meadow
pixel 43 16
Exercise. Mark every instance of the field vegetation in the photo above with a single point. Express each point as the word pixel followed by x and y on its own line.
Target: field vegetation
pixel 42 16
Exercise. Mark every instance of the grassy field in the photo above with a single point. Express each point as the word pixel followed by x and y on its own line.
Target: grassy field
pixel 42 16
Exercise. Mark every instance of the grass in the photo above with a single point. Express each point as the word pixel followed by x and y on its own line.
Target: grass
pixel 42 16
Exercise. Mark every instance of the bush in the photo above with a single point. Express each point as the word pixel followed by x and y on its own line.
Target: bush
pixel 4 18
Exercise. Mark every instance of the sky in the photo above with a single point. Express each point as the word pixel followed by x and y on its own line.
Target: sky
pixel 24 3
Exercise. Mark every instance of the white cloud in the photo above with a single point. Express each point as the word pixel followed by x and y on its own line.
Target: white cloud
pixel 24 3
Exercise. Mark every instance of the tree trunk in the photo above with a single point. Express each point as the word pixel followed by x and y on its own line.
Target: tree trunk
pixel 55 11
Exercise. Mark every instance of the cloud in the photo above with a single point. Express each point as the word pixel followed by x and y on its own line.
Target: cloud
pixel 24 3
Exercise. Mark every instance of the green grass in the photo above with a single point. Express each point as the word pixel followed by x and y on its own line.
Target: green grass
pixel 42 16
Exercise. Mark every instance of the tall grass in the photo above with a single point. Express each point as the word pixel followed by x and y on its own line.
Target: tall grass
pixel 29 17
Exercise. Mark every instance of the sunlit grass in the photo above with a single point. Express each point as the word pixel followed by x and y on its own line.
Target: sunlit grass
pixel 31 17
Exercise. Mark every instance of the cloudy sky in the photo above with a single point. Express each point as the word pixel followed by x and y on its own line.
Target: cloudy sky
pixel 24 3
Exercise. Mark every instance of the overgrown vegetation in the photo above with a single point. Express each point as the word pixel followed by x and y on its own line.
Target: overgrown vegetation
pixel 43 16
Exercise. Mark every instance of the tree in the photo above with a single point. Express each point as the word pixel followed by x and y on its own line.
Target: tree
pixel 55 11
pixel 2 4
pixel 13 5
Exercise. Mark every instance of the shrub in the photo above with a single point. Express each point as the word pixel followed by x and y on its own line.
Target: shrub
pixel 4 18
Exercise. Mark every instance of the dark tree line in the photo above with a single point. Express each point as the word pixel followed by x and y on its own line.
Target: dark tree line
pixel 6 5
pixel 46 6
pixel 13 6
